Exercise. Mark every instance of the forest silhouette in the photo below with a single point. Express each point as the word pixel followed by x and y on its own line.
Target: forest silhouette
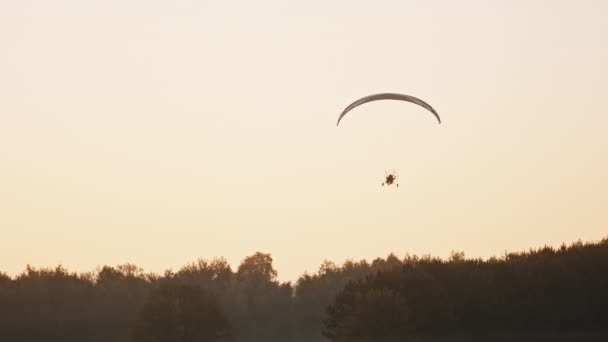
pixel 542 294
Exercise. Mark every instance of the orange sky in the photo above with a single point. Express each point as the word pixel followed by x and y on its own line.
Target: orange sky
pixel 157 132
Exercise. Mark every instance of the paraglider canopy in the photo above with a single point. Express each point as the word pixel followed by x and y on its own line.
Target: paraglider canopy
pixel 390 177
pixel 388 96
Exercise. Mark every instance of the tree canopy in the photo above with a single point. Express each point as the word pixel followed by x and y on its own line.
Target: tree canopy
pixel 544 290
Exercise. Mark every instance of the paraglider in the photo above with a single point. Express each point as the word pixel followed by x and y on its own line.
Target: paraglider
pixel 388 96
pixel 390 177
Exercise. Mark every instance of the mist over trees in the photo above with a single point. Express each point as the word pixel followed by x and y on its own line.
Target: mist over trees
pixel 178 312
pixel 545 290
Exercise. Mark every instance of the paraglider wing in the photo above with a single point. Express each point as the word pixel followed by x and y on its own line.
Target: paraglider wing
pixel 389 96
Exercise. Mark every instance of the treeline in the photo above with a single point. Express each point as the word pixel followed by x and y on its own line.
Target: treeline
pixel 545 290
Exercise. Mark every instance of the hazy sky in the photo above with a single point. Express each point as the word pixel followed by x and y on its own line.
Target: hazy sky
pixel 158 132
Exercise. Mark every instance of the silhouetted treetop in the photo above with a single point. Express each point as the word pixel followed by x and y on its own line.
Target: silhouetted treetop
pixel 257 267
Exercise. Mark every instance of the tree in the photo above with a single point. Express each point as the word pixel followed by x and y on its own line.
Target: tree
pixel 378 314
pixel 181 313
pixel 257 267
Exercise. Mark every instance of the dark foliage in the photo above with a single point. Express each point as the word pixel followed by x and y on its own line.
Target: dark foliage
pixel 544 290
pixel 541 291
pixel 184 313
